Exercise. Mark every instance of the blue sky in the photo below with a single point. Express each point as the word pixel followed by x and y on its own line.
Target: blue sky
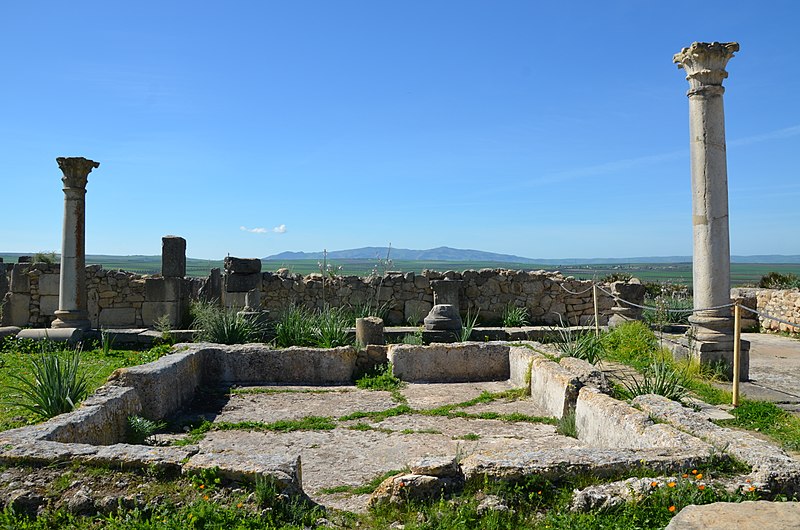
pixel 542 129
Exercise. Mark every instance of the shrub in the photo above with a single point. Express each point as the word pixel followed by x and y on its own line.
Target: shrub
pixel 566 425
pixel 381 378
pixel 617 277
pixel 581 345
pixel 295 328
pixel 515 317
pixel 776 280
pixel 55 385
pixel 226 326
pixel 45 257
pixel 300 327
pixel 631 343
pixel 330 328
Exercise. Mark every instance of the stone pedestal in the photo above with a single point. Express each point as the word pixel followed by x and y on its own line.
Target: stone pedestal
pixel 173 257
pixel 711 336
pixel 446 292
pixel 72 303
pixel 632 291
pixel 443 317
pixel 369 330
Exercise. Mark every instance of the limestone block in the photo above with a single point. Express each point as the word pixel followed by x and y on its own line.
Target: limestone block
pixel 153 311
pixel 16 310
pixel 369 330
pixel 48 284
pixel 450 363
pixel 553 388
pixel 173 257
pixel 20 282
pixel 48 305
pixel 284 471
pixel 747 515
pixel 241 283
pixel 242 265
pixel 119 317
pixel 161 289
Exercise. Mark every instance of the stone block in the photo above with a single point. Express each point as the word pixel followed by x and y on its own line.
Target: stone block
pixel 553 388
pixel 450 363
pixel 16 310
pixel 241 283
pixel 520 361
pixel 295 365
pixel 117 317
pixel 173 257
pixel 9 331
pixel 162 289
pixel 369 330
pixel 234 300
pixel 48 305
pixel 20 281
pixel 242 265
pixel 48 284
pixel 283 471
pixel 153 311
pixel 747 515
pixel 69 335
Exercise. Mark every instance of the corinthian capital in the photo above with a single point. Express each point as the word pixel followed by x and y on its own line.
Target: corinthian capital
pixel 76 170
pixel 704 63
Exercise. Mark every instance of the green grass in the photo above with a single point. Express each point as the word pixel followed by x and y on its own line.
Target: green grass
pixel 769 419
pixel 16 357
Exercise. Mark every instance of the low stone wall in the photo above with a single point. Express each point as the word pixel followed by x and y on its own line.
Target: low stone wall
pixel 116 299
pixel 781 303
pixel 409 296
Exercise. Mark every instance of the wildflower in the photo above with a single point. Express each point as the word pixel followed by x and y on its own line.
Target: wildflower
pixel 751 488
pixel 201 486
pixel 539 492
pixel 699 476
pixel 205 497
pixel 671 484
pixel 654 484
pixel 685 475
pixel 747 480
pixel 239 505
pixel 672 508
pixel 701 487
pixel 694 472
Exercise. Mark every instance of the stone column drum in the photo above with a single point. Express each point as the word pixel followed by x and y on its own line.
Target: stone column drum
pixel 712 330
pixel 72 304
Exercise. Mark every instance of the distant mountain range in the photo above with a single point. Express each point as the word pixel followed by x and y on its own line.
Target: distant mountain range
pixel 455 254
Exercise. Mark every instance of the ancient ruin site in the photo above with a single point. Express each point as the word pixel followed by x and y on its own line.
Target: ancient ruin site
pixel 462 398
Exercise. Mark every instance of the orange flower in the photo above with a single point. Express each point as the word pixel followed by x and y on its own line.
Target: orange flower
pixel 671 484
pixel 685 475
pixel 701 487
pixel 654 484
pixel 672 508
pixel 239 505
pixel 747 480
pixel 699 476
pixel 694 472
pixel 205 497
pixel 201 486
pixel 751 488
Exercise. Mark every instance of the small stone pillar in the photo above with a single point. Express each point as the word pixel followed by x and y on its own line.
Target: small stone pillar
pixel 632 291
pixel 712 330
pixel 369 330
pixel 173 257
pixel 72 304
pixel 252 307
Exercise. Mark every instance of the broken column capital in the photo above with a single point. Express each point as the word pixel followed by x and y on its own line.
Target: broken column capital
pixel 704 63
pixel 76 170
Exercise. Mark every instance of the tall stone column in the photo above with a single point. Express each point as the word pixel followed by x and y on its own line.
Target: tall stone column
pixel 72 305
pixel 712 330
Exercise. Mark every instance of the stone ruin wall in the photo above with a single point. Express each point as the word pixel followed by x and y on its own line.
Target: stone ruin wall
pixel 116 298
pixel 781 303
pixel 409 296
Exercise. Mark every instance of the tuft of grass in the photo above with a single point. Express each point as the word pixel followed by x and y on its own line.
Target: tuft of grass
pixel 330 329
pixel 662 378
pixel 381 378
pixel 53 384
pixel 470 321
pixel 225 326
pixel 566 425
pixel 141 430
pixel 414 338
pixel 515 317
pixel 631 343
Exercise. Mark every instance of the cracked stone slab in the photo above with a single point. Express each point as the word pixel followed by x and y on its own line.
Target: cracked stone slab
pixel 747 515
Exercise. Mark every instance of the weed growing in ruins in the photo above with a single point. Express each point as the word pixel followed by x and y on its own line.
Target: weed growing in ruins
pixel 45 257
pixel 381 378
pixel 632 343
pixel 140 431
pixel 163 325
pixel 470 321
pixel 776 280
pixel 515 317
pixel 55 384
pixel 300 327
pixel 414 338
pixel 331 328
pixel 768 418
pixel 662 378
pixel 226 326
pixel 581 345
pixel 566 425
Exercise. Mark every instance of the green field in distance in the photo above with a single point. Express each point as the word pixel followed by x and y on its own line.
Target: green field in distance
pixel 741 273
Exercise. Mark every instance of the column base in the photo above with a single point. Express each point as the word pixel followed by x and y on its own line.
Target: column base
pixel 717 353
pixel 71 319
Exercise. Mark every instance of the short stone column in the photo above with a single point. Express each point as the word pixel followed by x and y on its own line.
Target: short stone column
pixel 369 330
pixel 173 257
pixel 712 330
pixel 72 304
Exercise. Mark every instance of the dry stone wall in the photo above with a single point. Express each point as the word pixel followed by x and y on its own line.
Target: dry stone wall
pixel 781 303
pixel 116 299
pixel 408 297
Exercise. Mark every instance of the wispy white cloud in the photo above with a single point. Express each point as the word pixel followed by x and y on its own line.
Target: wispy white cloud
pixel 280 229
pixel 786 132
